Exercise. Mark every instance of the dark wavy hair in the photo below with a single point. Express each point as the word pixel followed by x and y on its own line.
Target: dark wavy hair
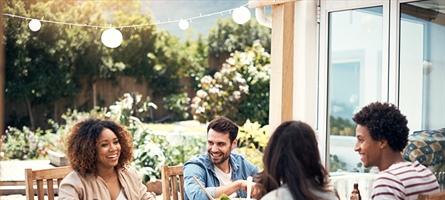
pixel 82 145
pixel 224 125
pixel 384 121
pixel 291 157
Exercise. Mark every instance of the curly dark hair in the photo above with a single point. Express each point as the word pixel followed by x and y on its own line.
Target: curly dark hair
pixel 82 143
pixel 384 121
pixel 291 157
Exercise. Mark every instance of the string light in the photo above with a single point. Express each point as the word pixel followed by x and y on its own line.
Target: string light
pixel 111 38
pixel 34 25
pixel 183 24
pixel 240 15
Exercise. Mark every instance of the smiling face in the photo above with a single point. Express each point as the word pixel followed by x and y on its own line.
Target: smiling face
pixel 108 149
pixel 219 147
pixel 369 149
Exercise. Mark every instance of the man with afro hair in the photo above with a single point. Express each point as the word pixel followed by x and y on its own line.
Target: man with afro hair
pixel 382 134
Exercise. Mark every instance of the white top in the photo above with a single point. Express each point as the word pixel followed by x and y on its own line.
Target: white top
pixel 121 196
pixel 225 179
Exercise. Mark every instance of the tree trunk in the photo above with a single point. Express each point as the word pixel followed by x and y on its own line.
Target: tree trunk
pixel 31 119
pixel 94 94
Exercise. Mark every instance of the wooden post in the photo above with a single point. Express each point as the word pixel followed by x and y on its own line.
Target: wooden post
pixel 282 64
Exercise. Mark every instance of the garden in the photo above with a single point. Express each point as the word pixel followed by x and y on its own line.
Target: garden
pixel 155 144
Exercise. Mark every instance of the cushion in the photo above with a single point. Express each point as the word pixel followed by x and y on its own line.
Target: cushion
pixel 427 147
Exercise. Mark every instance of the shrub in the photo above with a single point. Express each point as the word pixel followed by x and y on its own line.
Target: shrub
pixel 23 144
pixel 239 91
pixel 178 105
pixel 252 139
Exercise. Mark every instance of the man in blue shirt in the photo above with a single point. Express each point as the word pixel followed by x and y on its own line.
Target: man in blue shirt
pixel 219 170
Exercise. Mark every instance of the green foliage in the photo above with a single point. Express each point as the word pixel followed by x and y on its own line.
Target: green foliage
pixel 341 126
pixel 228 36
pixel 336 164
pixel 252 139
pixel 178 105
pixel 239 91
pixel 22 144
pixel 197 57
pixel 148 155
pixel 49 65
pixel 178 148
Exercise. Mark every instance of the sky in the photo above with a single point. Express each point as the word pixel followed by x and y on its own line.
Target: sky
pixel 163 10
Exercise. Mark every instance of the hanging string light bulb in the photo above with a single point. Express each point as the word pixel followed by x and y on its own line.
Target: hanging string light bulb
pixel 241 15
pixel 183 24
pixel 111 38
pixel 34 25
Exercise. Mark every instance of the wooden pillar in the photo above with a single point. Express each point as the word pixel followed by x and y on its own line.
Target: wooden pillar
pixel 282 64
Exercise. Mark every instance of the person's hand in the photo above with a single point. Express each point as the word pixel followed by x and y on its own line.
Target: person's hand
pixel 253 191
pixel 152 196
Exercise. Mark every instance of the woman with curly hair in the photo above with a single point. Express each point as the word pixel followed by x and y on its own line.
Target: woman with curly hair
pixel 100 152
pixel 382 134
pixel 292 166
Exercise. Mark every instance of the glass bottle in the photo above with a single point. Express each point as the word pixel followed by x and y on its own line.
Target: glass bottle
pixel 355 194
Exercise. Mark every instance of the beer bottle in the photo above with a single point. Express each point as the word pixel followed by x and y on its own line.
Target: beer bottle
pixel 355 194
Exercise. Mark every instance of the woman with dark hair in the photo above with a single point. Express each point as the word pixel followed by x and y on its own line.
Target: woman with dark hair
pixel 100 152
pixel 292 166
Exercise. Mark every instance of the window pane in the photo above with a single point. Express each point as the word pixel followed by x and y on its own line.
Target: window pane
pixel 355 78
pixel 422 64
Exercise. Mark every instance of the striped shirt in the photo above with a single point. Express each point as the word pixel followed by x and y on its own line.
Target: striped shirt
pixel 404 180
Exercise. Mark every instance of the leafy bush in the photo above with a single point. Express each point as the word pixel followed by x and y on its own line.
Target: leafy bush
pixel 185 147
pixel 148 155
pixel 252 139
pixel 23 144
pixel 178 105
pixel 239 91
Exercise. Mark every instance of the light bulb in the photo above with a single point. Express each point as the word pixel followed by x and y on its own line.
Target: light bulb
pixel 35 25
pixel 183 24
pixel 241 15
pixel 111 38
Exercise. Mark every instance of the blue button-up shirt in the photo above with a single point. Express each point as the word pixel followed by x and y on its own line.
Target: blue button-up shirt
pixel 202 168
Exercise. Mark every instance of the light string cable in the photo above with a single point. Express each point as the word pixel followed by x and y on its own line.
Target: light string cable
pixel 125 26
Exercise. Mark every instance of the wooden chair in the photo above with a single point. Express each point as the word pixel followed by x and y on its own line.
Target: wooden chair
pixel 171 176
pixel 433 196
pixel 42 175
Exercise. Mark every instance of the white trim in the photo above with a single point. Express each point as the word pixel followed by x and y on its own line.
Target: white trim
pixel 328 6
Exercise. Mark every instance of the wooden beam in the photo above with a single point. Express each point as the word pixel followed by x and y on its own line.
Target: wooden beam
pixel 262 3
pixel 282 64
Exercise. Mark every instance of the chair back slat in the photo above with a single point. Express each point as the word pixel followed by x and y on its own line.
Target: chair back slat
pixel 50 189
pixel 40 189
pixel 172 182
pixel 44 177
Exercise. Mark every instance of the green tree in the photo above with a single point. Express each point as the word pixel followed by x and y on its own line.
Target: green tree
pixel 52 63
pixel 36 70
pixel 228 37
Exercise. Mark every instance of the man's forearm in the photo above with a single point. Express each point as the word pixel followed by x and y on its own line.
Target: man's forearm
pixel 228 189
